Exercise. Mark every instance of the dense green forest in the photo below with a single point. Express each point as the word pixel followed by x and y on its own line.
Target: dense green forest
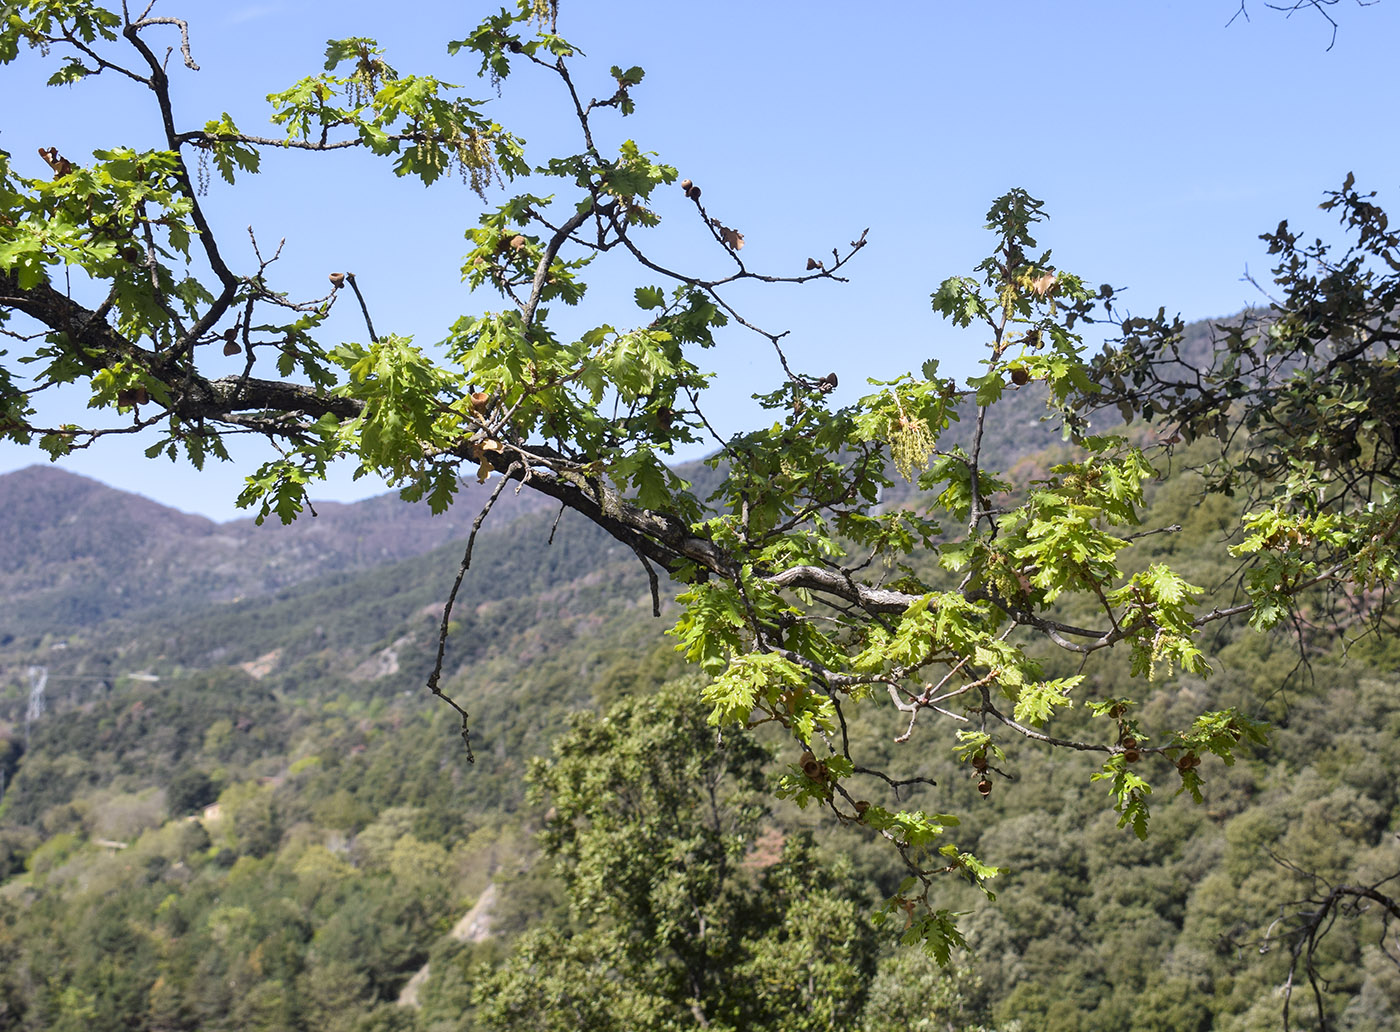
pixel 250 817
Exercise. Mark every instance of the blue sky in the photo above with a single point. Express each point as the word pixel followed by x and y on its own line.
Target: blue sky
pixel 1162 142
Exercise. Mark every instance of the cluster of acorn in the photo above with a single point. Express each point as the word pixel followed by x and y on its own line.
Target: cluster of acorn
pixel 1130 748
pixel 812 767
pixel 816 770
pixel 1187 762
pixel 984 783
pixel 690 190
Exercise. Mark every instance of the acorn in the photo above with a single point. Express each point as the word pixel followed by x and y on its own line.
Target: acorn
pixel 337 280
pixel 1187 762
pixel 517 242
pixel 811 767
pixel 480 400
pixel 985 787
pixel 979 763
pixel 861 806
pixel 232 348
pixel 812 263
pixel 686 186
pixel 1019 376
pixel 665 416
pixel 1131 755
pixel 1129 742
pixel 695 193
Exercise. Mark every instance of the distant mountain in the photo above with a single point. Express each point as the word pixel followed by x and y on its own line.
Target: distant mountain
pixel 74 552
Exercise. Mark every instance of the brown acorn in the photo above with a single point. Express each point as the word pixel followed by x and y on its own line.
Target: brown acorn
pixel 812 263
pixel 985 787
pixel 665 416
pixel 337 280
pixel 517 242
pixel 1131 755
pixel 686 186
pixel 861 806
pixel 694 193
pixel 1129 742
pixel 812 767
pixel 979 763
pixel 480 401
pixel 232 348
pixel 1020 377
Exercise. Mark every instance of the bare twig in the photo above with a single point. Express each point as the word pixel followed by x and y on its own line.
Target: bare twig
pixel 350 278
pixel 436 675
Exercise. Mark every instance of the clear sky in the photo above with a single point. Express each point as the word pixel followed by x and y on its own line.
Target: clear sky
pixel 1162 142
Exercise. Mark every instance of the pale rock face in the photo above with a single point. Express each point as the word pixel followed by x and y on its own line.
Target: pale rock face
pixel 474 926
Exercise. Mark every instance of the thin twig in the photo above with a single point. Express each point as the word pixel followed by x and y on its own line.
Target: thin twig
pixel 350 278
pixel 436 675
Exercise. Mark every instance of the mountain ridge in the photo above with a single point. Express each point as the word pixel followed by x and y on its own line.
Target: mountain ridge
pixel 75 552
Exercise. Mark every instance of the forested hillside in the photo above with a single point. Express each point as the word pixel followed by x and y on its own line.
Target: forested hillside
pixel 250 814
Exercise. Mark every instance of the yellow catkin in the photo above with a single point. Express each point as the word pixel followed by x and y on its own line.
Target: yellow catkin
pixel 911 446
